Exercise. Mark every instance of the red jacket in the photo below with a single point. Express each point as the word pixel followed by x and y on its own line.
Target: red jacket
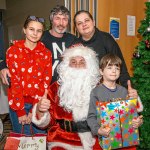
pixel 55 133
pixel 31 73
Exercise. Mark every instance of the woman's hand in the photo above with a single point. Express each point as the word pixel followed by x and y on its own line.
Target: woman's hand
pixel 29 118
pixel 23 119
pixel 3 74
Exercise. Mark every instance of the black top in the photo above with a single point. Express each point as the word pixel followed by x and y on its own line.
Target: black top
pixel 3 65
pixel 57 46
pixel 103 43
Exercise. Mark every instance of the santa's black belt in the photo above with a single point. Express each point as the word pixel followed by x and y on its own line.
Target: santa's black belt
pixel 71 126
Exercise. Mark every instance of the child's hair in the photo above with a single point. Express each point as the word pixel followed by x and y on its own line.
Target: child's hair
pixel 33 18
pixel 109 60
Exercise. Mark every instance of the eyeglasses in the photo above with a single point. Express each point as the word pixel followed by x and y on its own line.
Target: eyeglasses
pixel 36 19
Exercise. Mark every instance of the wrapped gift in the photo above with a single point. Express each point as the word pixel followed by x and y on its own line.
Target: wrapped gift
pixel 118 116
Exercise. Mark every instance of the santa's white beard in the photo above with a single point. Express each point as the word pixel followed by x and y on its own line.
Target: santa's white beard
pixel 74 93
pixel 75 88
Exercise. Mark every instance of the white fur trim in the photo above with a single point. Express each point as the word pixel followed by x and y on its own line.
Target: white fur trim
pixel 87 140
pixel 44 121
pixel 140 108
pixel 81 50
pixel 63 145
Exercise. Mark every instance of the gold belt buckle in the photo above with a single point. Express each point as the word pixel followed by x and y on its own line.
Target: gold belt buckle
pixel 69 122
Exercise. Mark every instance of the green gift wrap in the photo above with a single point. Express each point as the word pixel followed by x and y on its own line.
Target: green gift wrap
pixel 118 116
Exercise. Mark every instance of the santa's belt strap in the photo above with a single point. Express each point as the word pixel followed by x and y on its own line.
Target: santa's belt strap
pixel 71 126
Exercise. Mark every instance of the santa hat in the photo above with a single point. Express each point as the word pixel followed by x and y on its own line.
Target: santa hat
pixel 79 50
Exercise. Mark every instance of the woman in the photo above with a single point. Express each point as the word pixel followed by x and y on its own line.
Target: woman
pixel 101 42
pixel 30 65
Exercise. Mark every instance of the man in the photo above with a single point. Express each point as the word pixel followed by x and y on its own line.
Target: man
pixel 56 39
pixel 69 101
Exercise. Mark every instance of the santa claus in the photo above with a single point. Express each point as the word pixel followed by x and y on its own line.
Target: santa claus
pixel 67 108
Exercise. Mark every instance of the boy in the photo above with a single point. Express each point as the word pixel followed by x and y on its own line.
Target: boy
pixel 110 66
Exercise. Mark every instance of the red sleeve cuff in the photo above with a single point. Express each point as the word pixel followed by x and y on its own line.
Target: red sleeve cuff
pixel 30 110
pixel 37 117
pixel 21 113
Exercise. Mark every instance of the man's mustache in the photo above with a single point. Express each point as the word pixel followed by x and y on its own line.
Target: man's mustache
pixel 60 26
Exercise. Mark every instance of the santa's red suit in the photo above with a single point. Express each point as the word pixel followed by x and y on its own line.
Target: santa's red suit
pixel 58 136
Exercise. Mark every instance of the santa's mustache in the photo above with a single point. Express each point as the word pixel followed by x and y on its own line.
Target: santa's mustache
pixel 75 87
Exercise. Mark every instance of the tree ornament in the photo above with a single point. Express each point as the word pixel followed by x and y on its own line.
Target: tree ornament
pixel 136 54
pixel 147 43
pixel 148 28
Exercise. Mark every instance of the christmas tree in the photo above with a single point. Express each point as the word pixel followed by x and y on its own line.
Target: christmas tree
pixel 141 76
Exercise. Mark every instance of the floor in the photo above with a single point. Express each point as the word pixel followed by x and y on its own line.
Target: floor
pixel 7 128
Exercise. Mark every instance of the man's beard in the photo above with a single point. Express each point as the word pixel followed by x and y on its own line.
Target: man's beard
pixel 58 31
pixel 75 88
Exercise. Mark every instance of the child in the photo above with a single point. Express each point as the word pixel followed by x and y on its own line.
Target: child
pixel 110 66
pixel 30 65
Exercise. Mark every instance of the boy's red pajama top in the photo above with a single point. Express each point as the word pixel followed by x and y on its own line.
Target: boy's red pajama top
pixel 31 73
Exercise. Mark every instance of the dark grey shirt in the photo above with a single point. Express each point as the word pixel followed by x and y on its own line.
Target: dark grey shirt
pixel 102 93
